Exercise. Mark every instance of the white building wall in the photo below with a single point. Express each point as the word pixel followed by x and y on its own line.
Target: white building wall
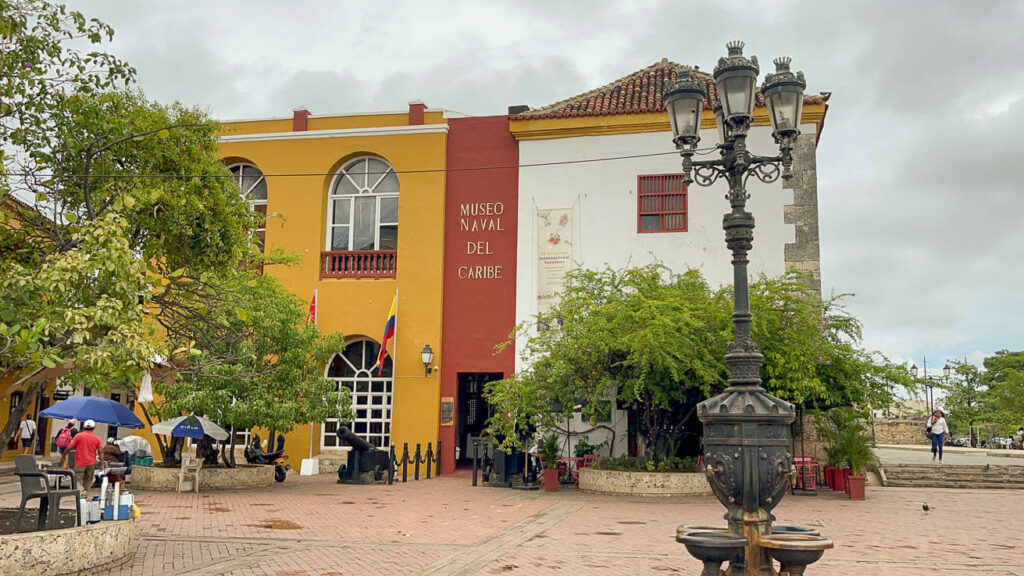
pixel 603 196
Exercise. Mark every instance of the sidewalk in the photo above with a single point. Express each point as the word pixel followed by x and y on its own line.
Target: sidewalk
pixel 313 526
pixel 921 454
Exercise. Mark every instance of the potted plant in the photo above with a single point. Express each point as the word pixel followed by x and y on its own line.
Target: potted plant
pixel 831 426
pixel 549 453
pixel 856 445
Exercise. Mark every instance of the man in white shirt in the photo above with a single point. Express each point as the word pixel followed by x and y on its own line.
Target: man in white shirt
pixel 28 433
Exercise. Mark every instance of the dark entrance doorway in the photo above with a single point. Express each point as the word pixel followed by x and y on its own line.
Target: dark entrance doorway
pixel 473 410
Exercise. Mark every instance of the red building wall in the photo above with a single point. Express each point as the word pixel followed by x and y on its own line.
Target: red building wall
pixel 480 258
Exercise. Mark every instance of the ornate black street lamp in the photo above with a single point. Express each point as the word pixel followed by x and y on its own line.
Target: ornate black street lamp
pixel 747 438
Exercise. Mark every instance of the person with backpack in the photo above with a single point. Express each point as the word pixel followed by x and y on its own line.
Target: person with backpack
pixel 65 435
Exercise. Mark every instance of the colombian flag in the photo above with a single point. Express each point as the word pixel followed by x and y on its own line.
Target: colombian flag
pixel 389 332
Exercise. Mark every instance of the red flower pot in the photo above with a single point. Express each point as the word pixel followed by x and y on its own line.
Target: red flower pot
pixel 838 480
pixel 846 480
pixel 828 476
pixel 856 487
pixel 551 480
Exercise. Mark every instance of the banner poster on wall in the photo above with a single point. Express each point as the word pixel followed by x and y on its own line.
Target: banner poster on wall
pixel 554 255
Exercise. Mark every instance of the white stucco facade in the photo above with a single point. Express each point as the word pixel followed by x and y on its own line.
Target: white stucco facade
pixel 603 198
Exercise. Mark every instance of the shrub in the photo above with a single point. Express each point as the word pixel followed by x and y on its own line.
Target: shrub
pixel 636 464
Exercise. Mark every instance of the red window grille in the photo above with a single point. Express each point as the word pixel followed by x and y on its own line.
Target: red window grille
pixel 661 203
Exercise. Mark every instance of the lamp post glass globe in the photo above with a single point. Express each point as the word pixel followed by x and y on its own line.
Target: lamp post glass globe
pixel 427 355
pixel 685 104
pixel 735 79
pixel 784 94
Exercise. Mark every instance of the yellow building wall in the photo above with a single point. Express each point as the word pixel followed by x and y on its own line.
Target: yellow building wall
pixel 359 307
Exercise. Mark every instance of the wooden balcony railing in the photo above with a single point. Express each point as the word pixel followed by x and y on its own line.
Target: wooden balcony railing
pixel 358 264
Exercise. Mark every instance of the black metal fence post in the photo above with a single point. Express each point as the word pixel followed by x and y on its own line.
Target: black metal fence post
pixel 416 462
pixel 476 455
pixel 392 464
pixel 405 461
pixel 430 459
pixel 438 458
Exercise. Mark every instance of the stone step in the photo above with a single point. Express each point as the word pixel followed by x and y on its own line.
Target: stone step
pixel 954 473
pixel 938 483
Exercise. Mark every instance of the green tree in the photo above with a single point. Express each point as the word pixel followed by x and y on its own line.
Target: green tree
pixel 1004 376
pixel 262 367
pixel 967 398
pixel 655 340
pixel 83 159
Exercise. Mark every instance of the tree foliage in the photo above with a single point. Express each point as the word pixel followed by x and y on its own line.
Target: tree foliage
pixel 262 367
pixel 122 235
pixel 655 341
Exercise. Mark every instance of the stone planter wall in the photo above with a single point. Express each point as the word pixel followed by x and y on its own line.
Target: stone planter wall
pixel 244 476
pixel 83 549
pixel 644 483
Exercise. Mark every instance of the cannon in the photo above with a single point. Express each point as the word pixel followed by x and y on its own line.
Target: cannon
pixel 366 463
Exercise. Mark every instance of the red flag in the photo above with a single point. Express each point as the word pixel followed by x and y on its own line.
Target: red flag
pixel 312 310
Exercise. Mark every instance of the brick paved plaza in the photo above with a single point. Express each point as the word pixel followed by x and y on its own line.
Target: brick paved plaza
pixel 313 526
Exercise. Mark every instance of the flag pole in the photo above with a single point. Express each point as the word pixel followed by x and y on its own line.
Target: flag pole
pixel 394 360
pixel 316 322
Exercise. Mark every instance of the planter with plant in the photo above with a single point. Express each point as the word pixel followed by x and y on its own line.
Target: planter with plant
pixel 856 447
pixel 549 453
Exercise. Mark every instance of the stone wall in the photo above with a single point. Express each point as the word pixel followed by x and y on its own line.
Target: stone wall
pixel 804 254
pixel 84 549
pixel 643 483
pixel 900 431
pixel 243 476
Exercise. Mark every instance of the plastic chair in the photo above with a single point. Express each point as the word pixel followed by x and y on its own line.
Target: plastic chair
pixel 34 485
pixel 190 466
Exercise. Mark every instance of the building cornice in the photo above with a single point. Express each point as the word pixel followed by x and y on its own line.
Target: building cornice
pixel 551 128
pixel 339 133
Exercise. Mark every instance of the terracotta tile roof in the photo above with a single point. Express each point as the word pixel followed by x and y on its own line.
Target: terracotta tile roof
pixel 635 93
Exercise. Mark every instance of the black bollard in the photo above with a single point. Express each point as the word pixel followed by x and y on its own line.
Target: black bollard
pixel 476 455
pixel 405 461
pixel 417 459
pixel 391 465
pixel 438 458
pixel 488 463
pixel 430 459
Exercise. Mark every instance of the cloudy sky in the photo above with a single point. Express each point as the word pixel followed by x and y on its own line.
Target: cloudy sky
pixel 920 201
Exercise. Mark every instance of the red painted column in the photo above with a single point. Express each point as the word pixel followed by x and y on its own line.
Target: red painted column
pixel 481 208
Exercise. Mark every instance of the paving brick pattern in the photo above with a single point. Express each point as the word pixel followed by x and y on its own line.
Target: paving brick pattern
pixel 314 527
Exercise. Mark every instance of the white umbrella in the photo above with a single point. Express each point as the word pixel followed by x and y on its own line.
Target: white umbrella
pixel 191 426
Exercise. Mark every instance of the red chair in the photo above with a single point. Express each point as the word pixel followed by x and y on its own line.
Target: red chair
pixel 806 472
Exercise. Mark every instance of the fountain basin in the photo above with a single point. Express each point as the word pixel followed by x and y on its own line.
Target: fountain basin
pixel 713 546
pixel 690 528
pixel 795 551
pixel 794 529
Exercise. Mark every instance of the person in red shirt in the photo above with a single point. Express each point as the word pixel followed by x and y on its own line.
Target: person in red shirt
pixel 86 446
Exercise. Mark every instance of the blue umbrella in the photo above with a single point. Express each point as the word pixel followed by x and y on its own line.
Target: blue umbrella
pixel 190 426
pixel 102 410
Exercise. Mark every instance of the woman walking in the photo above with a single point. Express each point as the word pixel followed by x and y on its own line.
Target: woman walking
pixel 938 428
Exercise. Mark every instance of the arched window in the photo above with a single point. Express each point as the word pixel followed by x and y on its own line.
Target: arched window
pixel 254 186
pixel 356 369
pixel 362 209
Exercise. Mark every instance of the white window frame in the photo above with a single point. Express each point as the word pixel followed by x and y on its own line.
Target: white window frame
pixel 362 400
pixel 369 189
pixel 253 202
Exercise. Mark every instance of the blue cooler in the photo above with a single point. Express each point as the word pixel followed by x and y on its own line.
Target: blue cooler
pixel 124 512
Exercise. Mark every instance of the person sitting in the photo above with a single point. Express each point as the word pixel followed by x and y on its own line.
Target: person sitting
pixel 112 459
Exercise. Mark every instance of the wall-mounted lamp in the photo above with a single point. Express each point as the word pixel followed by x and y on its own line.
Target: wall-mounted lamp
pixel 428 356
